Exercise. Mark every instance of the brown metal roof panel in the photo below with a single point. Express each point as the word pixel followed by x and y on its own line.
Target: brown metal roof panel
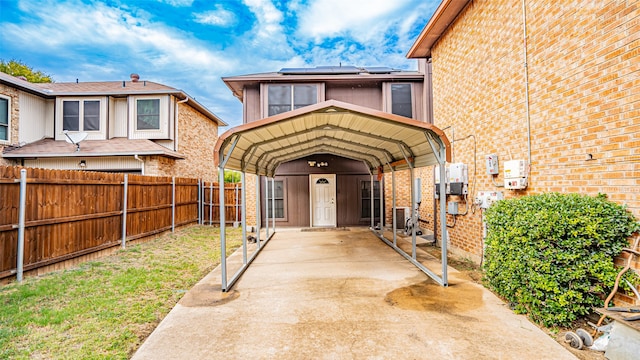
pixel 330 126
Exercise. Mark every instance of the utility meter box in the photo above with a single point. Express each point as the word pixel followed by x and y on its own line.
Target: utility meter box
pixel 458 179
pixel 437 182
pixel 515 174
pixel 492 164
pixel 485 199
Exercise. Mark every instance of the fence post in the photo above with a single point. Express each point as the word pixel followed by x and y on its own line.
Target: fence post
pixel 211 202
pixel 173 204
pixel 198 201
pixel 124 211
pixel 21 221
pixel 236 198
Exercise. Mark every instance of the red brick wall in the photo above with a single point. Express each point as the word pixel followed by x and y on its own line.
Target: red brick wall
pixel 584 98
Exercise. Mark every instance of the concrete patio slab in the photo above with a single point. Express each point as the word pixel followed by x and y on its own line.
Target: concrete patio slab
pixel 343 295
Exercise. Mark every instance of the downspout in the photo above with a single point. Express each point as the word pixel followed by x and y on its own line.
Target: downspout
pixel 526 80
pixel 142 161
pixel 175 125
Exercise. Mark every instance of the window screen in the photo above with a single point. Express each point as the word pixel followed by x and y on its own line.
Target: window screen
pixel 4 119
pixel 71 115
pixel 91 115
pixel 278 199
pixel 365 196
pixel 401 100
pixel 148 114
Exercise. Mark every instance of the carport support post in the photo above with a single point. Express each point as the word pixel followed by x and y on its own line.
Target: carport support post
pixel 393 199
pixel 223 240
pixel 373 210
pixel 243 194
pixel 413 212
pixel 380 187
pixel 443 215
pixel 266 204
pixel 258 217
pixel 273 203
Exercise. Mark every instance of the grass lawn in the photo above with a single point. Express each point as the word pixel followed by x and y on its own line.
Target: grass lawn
pixel 106 308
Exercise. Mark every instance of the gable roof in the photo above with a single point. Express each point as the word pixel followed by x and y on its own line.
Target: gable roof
pixel 444 15
pixel 377 138
pixel 350 74
pixel 105 88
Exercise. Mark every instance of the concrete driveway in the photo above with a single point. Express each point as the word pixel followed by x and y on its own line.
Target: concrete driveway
pixel 343 294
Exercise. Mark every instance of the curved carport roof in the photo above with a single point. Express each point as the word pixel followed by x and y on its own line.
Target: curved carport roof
pixel 383 141
pixel 377 138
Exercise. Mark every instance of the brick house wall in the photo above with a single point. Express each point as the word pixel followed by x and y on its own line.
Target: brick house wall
pixel 197 136
pixel 13 94
pixel 584 100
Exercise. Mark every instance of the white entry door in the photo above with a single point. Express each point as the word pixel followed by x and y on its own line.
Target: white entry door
pixel 322 188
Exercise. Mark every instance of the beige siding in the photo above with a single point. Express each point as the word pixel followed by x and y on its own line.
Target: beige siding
pixel 118 118
pixel 367 95
pixel 113 163
pixel 251 104
pixel 33 118
pixel 91 135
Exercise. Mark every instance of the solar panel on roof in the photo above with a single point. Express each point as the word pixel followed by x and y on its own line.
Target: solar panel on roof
pixel 321 70
pixel 379 70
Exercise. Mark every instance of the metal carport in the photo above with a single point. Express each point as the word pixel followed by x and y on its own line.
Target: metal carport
pixel 382 141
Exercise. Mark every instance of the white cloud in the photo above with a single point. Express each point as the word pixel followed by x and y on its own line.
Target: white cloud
pixel 178 3
pixel 267 39
pixel 98 27
pixel 362 19
pixel 217 17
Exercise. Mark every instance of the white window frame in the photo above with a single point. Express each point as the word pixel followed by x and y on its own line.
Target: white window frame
pixel 284 217
pixel 165 111
pixel 100 134
pixel 264 98
pixel 8 140
pixel 388 101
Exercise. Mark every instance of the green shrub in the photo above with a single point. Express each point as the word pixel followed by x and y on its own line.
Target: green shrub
pixel 551 255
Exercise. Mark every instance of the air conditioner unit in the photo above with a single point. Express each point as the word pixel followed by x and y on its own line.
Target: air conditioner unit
pixel 402 214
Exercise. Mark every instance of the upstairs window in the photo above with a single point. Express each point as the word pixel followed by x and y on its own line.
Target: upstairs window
pixel 80 115
pixel 283 98
pixel 4 119
pixel 148 114
pixel 401 100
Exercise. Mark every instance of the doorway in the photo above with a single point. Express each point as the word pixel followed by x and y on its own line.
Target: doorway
pixel 323 200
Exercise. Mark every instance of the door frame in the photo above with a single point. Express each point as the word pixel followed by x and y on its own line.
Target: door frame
pixel 312 181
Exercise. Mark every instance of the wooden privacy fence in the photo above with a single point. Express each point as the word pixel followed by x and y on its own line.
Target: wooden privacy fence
pixel 67 214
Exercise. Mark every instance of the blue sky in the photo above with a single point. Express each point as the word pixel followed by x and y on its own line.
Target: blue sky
pixel 191 44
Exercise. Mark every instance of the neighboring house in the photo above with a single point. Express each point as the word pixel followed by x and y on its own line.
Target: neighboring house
pixel 556 84
pixel 298 182
pixel 128 126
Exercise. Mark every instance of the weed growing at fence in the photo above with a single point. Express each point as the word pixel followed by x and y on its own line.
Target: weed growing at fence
pixel 106 308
